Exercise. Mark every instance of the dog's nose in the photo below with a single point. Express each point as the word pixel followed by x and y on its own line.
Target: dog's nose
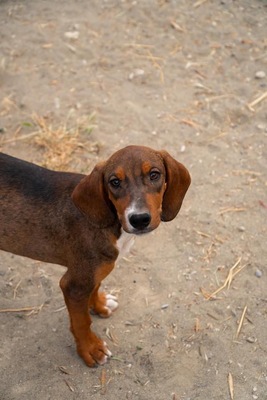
pixel 140 221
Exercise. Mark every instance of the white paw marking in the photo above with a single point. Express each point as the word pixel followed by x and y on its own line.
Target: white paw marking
pixel 109 354
pixel 103 360
pixel 112 304
pixel 110 296
pixel 107 351
pixel 105 357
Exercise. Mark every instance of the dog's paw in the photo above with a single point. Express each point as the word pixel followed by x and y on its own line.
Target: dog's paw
pixel 111 303
pixel 95 352
pixel 104 305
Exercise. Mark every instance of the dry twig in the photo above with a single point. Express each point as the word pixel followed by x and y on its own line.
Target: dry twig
pixel 190 123
pixel 16 289
pixel 199 3
pixel 176 26
pixel 240 172
pixel 22 309
pixel 63 370
pixel 257 101
pixel 231 209
pixel 241 321
pixel 103 381
pixel 19 138
pixel 69 385
pixel 206 235
pixel 227 283
pixel 112 337
pixel 197 325
pixel 156 64
pixel 231 385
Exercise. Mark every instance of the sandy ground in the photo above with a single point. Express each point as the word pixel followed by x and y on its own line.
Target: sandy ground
pixel 80 79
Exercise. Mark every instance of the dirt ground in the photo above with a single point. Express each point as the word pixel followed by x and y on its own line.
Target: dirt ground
pixel 81 79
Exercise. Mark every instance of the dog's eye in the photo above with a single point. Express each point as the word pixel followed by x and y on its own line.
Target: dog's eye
pixel 154 175
pixel 115 182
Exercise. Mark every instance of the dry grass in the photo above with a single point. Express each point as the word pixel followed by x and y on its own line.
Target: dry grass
pixel 7 105
pixel 60 143
pixel 228 281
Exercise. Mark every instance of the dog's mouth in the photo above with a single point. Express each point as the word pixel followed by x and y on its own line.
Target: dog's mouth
pixel 139 231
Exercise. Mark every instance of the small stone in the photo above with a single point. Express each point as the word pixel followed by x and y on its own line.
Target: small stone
pixel 57 103
pixel 136 73
pixel 260 75
pixel 258 273
pixel 241 229
pixel 251 339
pixel 261 127
pixel 164 306
pixel 254 389
pixel 139 72
pixel 72 35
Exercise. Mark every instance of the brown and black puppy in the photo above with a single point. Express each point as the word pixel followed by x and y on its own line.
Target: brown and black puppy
pixel 77 221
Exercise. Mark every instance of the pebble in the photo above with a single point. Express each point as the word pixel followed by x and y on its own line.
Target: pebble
pixel 258 273
pixel 57 103
pixel 251 339
pixel 164 306
pixel 261 127
pixel 260 75
pixel 72 35
pixel 137 72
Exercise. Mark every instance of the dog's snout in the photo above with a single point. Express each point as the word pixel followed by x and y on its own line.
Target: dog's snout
pixel 140 221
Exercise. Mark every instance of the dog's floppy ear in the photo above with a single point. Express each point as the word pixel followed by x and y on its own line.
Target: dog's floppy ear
pixel 91 198
pixel 178 181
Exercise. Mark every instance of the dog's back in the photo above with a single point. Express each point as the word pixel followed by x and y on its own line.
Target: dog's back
pixel 27 193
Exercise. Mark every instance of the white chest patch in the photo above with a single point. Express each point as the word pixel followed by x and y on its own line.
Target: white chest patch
pixel 125 243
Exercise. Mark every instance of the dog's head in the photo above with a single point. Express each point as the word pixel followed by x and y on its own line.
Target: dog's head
pixel 137 185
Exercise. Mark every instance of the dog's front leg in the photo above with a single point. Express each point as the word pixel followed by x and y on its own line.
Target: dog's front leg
pixel 77 294
pixel 101 303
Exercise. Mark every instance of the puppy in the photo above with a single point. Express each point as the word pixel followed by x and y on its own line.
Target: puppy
pixel 76 221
